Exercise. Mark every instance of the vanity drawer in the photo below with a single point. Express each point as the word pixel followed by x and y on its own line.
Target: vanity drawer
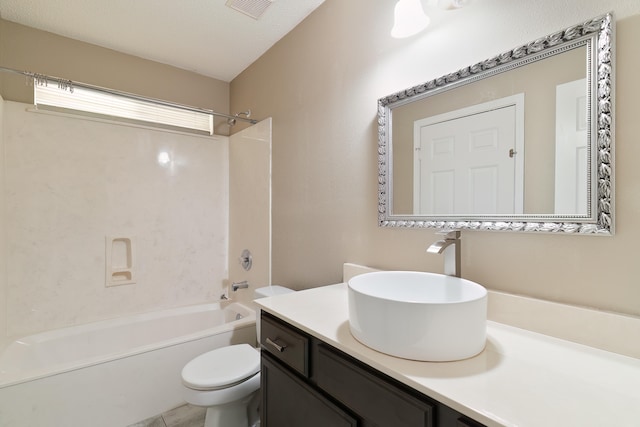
pixel 368 395
pixel 286 343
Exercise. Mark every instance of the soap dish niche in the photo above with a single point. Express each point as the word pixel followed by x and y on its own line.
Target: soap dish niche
pixel 119 261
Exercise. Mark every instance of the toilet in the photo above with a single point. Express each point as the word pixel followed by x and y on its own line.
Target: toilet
pixel 227 380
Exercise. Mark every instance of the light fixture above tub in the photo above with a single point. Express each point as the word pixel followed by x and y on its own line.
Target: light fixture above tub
pixel 452 4
pixel 409 19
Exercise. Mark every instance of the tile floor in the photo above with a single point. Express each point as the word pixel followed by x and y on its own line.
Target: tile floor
pixel 182 416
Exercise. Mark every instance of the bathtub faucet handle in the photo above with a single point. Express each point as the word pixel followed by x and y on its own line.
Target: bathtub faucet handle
pixel 239 285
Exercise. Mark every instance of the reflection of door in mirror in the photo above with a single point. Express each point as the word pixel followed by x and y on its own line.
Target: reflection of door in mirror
pixel 471 160
pixel 538 81
pixel 571 149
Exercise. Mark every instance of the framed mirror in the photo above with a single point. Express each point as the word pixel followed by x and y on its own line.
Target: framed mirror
pixel 522 141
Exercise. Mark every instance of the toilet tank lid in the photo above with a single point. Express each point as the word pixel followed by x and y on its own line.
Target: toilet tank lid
pixel 269 291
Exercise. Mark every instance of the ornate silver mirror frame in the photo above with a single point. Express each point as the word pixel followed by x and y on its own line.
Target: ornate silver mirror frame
pixel 597 36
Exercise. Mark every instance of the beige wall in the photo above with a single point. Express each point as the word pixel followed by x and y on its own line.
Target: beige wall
pixel 24 48
pixel 321 83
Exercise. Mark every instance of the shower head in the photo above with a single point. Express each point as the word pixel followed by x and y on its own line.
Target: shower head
pixel 232 121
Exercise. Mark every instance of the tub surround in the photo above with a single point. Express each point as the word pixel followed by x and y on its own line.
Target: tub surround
pixel 522 378
pixel 3 270
pixel 69 182
pixel 250 206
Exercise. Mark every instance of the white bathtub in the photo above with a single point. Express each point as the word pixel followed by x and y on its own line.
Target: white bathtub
pixel 115 372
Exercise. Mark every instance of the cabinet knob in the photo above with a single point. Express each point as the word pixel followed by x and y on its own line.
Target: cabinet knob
pixel 275 345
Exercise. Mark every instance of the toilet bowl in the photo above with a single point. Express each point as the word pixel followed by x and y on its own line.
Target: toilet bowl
pixel 224 380
pixel 227 380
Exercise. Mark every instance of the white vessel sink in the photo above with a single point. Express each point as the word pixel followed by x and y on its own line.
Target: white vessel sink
pixel 419 316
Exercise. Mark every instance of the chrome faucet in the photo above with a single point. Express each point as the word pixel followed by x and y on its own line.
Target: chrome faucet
pixel 450 248
pixel 239 285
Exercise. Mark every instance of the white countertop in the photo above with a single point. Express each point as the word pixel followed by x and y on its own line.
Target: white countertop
pixel 521 379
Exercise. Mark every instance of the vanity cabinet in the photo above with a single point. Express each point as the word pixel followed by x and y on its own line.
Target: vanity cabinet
pixel 289 401
pixel 307 382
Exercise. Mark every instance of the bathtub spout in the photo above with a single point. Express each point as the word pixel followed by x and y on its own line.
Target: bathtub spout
pixel 239 285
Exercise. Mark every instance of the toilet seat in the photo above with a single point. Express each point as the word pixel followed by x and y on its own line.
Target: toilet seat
pixel 222 368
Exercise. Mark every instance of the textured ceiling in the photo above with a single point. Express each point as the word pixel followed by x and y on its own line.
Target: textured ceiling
pixel 204 36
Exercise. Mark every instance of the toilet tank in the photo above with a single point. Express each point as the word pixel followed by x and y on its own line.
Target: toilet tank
pixel 267 291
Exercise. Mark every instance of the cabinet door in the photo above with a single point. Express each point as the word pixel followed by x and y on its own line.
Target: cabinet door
pixel 468 422
pixel 376 400
pixel 289 402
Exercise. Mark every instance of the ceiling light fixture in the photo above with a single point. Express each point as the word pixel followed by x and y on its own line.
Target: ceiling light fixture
pixel 409 19
pixel 452 4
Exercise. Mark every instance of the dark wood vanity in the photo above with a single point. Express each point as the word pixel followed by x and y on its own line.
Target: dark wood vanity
pixel 307 382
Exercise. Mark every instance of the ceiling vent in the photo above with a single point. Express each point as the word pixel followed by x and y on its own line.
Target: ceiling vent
pixel 252 8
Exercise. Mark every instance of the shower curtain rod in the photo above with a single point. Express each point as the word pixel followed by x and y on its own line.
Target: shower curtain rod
pixel 68 84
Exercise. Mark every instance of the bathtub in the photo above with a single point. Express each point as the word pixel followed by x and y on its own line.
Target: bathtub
pixel 115 372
